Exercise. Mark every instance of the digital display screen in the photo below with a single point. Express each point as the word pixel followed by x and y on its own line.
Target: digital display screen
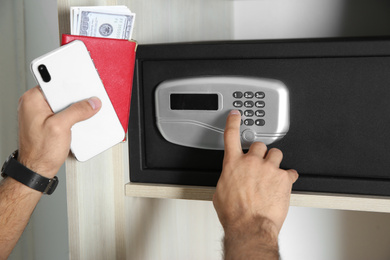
pixel 194 101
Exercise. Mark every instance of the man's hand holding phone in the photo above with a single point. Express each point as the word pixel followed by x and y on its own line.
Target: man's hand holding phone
pixel 44 137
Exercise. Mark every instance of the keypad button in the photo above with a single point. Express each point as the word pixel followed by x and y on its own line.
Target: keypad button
pixel 249 94
pixel 249 113
pixel 237 94
pixel 260 122
pixel 260 104
pixel 248 122
pixel 260 94
pixel 248 104
pixel 237 104
pixel 241 121
pixel 240 112
pixel 260 113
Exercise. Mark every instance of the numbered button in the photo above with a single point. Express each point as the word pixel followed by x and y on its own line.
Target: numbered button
pixel 260 122
pixel 237 104
pixel 248 104
pixel 260 113
pixel 237 94
pixel 248 122
pixel 260 104
pixel 249 94
pixel 249 113
pixel 260 94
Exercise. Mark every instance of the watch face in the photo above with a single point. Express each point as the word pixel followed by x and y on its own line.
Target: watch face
pixel 5 164
pixel 13 155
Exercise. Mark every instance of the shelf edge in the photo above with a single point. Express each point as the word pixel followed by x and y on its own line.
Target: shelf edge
pixel 298 199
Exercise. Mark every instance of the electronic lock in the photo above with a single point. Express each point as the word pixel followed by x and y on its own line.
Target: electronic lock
pixel 192 112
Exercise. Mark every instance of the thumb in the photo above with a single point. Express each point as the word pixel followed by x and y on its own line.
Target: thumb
pixel 79 111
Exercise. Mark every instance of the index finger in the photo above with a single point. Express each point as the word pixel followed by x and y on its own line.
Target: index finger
pixel 232 134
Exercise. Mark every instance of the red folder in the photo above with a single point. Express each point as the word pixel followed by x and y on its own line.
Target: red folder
pixel 114 60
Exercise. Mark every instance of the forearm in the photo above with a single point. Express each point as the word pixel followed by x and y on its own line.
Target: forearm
pixel 257 240
pixel 17 202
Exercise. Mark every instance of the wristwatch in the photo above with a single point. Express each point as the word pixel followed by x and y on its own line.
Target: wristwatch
pixel 22 174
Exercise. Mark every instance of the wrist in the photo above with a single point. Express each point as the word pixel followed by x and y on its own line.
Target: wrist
pixel 258 237
pixel 30 164
pixel 19 172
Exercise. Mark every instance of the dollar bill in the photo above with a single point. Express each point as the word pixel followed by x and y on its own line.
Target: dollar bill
pixel 102 21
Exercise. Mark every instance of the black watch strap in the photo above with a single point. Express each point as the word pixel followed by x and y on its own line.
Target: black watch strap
pixel 22 174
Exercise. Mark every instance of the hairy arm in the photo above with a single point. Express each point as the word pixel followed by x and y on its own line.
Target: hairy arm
pixel 252 196
pixel 17 203
pixel 44 142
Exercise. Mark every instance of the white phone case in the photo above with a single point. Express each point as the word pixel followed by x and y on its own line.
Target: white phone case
pixel 74 78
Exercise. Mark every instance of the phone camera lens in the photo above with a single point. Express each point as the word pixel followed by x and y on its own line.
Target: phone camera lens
pixel 44 73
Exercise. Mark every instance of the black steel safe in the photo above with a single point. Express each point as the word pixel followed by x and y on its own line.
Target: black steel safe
pixel 339 137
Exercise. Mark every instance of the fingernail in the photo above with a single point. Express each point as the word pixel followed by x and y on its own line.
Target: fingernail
pixel 95 103
pixel 235 112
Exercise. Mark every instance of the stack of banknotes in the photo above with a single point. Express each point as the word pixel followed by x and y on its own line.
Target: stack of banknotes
pixel 102 21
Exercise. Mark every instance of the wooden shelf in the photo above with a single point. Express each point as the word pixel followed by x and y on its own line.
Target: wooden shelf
pixel 169 191
pixel 299 199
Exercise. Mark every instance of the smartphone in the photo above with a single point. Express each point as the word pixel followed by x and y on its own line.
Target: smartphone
pixel 67 75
